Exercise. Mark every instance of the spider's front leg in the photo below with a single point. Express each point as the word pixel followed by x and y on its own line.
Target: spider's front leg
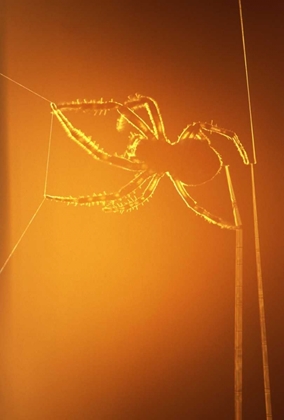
pixel 153 111
pixel 91 147
pixel 102 107
pixel 97 107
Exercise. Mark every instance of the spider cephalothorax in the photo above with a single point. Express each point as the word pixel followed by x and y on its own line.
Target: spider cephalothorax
pixel 189 161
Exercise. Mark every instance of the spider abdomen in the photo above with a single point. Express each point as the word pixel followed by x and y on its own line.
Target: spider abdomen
pixel 192 161
pixel 195 161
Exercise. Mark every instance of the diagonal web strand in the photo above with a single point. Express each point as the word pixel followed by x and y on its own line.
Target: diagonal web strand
pixel 21 237
pixel 48 155
pixel 24 87
pixel 46 175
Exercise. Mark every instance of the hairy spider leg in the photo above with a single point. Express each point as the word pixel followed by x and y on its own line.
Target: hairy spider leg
pixel 152 108
pixel 127 115
pixel 104 198
pixel 143 130
pixel 231 135
pixel 102 107
pixel 135 202
pixel 211 218
pixel 193 131
pixel 91 147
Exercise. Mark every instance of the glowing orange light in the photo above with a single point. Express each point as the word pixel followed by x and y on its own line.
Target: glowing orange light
pixel 189 161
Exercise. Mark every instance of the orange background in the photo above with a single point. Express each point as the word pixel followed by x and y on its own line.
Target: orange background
pixel 131 316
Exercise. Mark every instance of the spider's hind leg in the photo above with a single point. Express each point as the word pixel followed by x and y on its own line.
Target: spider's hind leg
pixel 230 135
pixel 205 214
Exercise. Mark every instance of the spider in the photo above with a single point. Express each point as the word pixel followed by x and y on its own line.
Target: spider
pixel 190 161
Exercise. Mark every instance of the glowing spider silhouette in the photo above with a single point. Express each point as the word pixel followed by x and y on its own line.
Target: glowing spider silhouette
pixel 190 161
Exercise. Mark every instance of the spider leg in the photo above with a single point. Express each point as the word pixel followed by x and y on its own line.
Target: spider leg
pixel 192 131
pixel 127 115
pixel 133 202
pixel 91 147
pixel 231 135
pixel 152 108
pixel 102 107
pixel 106 199
pixel 211 218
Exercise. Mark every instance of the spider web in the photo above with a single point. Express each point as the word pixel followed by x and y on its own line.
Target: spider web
pixel 38 208
pixel 238 241
pixel 14 248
